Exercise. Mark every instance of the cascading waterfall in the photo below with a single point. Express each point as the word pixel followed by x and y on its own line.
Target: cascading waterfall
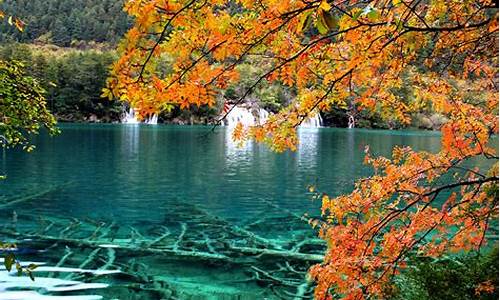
pixel 246 116
pixel 129 117
pixel 263 115
pixel 152 120
pixel 252 116
pixel 314 122
pixel 351 122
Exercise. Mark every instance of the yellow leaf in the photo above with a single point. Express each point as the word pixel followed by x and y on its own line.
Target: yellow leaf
pixel 19 24
pixel 325 6
pixel 304 22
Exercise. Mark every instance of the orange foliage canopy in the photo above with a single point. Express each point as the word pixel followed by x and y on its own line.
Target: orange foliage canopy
pixel 336 54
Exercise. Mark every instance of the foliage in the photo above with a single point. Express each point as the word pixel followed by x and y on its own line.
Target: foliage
pixel 12 20
pixel 64 22
pixel 11 261
pixel 362 54
pixel 271 97
pixel 73 80
pixel 454 278
pixel 23 109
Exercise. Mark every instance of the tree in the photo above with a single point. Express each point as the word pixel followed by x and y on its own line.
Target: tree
pixel 66 20
pixel 22 112
pixel 22 107
pixel 393 57
pixel 72 79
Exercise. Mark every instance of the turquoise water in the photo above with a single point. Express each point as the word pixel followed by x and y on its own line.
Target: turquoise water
pixel 149 199
pixel 125 172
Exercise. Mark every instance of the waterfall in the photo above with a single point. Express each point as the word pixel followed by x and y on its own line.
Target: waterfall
pixel 257 116
pixel 351 122
pixel 314 122
pixel 263 115
pixel 129 117
pixel 246 116
pixel 152 120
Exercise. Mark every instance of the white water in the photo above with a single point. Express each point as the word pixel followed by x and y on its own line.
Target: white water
pixel 352 122
pixel 314 122
pixel 246 116
pixel 129 117
pixel 251 117
pixel 152 120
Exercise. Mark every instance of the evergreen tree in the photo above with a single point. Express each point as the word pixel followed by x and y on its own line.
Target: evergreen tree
pixel 66 21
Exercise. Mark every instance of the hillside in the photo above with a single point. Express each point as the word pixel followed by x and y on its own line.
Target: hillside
pixel 65 22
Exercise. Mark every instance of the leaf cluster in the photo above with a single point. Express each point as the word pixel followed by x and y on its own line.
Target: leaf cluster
pixel 11 261
pixel 23 109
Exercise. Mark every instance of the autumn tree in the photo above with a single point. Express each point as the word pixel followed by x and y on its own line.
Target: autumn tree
pixel 336 54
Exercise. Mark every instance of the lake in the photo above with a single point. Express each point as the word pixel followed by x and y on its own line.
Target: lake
pixel 176 212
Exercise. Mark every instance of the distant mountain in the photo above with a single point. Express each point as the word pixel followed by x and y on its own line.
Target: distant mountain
pixel 65 22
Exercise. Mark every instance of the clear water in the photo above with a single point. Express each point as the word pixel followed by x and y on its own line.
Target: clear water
pixel 127 185
pixel 125 172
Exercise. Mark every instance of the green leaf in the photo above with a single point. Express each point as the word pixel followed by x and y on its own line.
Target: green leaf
pixel 331 20
pixel 31 267
pixel 321 24
pixel 304 22
pixel 399 26
pixel 356 15
pixel 19 269
pixel 372 14
pixel 9 261
pixel 30 274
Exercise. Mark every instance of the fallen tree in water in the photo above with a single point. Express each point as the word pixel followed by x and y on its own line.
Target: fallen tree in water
pixel 189 235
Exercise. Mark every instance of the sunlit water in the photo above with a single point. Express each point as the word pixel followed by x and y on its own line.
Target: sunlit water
pixel 133 183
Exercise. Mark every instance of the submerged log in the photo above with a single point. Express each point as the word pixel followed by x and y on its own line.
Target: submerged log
pixel 198 237
pixel 279 253
pixel 20 199
pixel 98 244
pixel 234 250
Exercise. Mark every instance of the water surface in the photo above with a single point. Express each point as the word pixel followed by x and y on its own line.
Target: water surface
pixel 129 184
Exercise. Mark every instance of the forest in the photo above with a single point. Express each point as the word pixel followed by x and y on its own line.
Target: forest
pixel 61 38
pixel 66 23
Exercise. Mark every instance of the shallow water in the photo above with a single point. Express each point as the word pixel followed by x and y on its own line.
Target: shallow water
pixel 146 197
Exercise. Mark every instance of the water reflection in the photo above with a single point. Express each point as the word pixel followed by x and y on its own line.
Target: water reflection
pixel 125 171
pixel 307 150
